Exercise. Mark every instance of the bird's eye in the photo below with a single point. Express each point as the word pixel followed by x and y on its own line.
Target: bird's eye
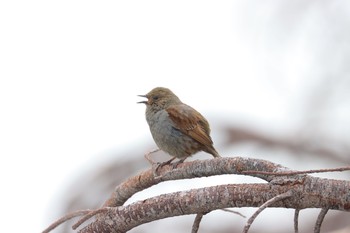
pixel 155 97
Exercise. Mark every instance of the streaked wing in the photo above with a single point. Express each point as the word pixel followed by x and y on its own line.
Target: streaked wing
pixel 191 123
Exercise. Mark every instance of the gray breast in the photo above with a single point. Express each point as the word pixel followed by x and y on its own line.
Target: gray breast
pixel 168 138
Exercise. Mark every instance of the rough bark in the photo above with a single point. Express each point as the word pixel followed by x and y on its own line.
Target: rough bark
pixel 308 192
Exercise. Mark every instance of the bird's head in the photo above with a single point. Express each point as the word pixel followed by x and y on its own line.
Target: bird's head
pixel 160 98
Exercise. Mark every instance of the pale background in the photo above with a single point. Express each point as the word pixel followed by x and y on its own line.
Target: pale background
pixel 70 73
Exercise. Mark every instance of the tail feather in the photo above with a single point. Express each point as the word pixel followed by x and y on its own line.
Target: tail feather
pixel 211 150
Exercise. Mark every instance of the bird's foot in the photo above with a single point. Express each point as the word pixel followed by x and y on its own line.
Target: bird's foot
pixel 160 165
pixel 175 164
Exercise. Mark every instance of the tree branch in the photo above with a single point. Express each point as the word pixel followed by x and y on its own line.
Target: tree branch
pixel 290 173
pixel 264 206
pixel 308 192
pixel 320 218
pixel 296 220
pixel 197 221
pixel 189 170
pixel 66 218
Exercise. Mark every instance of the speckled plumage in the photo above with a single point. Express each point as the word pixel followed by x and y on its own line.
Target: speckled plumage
pixel 177 128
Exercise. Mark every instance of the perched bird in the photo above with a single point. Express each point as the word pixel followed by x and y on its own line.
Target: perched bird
pixel 177 128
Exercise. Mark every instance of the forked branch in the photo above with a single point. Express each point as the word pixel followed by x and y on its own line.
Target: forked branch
pixel 294 191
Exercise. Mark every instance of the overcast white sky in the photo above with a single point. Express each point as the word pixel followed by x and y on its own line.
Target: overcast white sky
pixel 70 72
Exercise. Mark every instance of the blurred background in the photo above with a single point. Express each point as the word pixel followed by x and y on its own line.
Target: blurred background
pixel 272 78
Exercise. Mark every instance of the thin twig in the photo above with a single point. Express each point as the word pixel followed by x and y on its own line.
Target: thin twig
pixel 339 169
pixel 148 154
pixel 66 218
pixel 234 212
pixel 88 216
pixel 296 220
pixel 319 221
pixel 264 206
pixel 197 221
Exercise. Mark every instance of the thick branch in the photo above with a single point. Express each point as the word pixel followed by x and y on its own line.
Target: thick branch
pixel 308 192
pixel 311 193
pixel 194 169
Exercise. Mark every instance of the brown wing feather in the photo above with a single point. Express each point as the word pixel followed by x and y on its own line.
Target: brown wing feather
pixel 191 123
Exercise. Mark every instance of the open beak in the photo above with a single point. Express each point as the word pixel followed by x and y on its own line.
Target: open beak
pixel 143 102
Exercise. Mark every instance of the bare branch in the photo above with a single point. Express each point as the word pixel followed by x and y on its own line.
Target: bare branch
pixel 296 221
pixel 189 170
pixel 320 218
pixel 288 173
pixel 310 194
pixel 65 218
pixel 186 170
pixel 88 216
pixel 264 206
pixel 197 221
pixel 148 156
pixel 234 212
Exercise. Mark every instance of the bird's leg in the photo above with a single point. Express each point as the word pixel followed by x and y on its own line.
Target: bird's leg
pixel 156 165
pixel 160 165
pixel 163 164
pixel 178 162
pixel 148 154
pixel 174 165
pixel 168 162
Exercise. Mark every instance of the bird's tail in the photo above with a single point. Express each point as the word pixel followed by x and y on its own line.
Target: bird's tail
pixel 211 150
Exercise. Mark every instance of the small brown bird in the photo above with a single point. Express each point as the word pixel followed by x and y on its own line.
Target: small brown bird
pixel 177 128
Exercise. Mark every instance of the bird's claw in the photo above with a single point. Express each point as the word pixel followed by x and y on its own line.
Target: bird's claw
pixel 175 164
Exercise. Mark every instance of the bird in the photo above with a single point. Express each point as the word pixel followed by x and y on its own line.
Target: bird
pixel 177 128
